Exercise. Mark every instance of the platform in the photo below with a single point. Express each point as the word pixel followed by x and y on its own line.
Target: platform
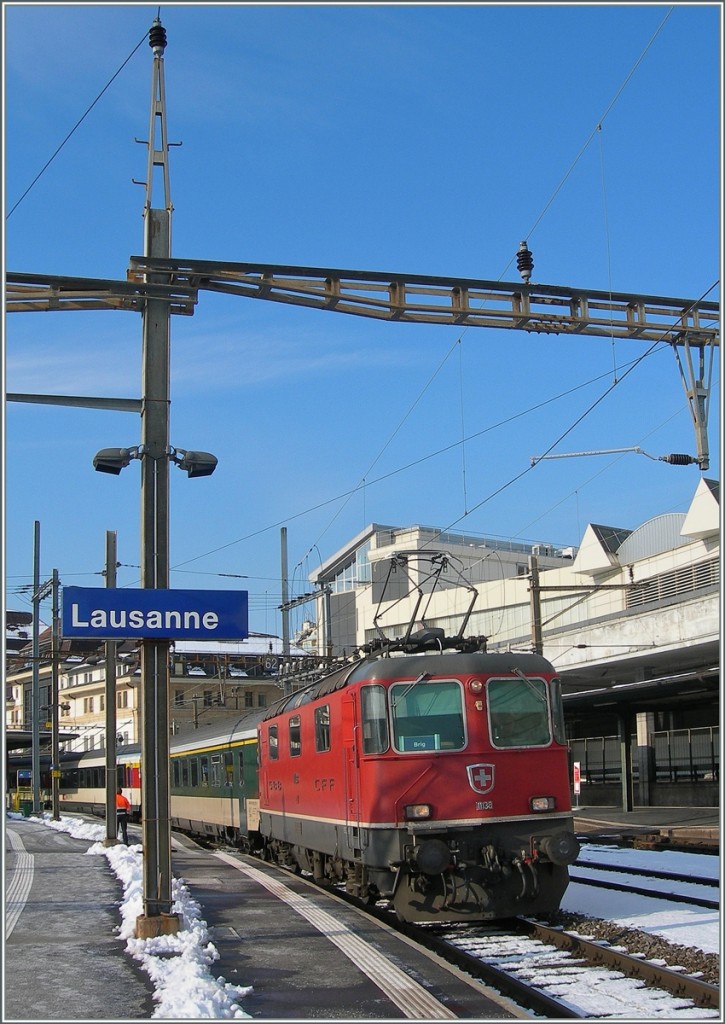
pixel 686 825
pixel 306 954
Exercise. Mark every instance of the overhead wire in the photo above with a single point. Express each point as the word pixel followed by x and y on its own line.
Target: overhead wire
pixel 570 428
pixel 364 479
pixel 597 129
pixel 401 469
pixel 77 125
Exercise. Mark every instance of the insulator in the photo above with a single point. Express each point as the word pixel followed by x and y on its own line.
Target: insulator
pixel 157 38
pixel 678 460
pixel 524 262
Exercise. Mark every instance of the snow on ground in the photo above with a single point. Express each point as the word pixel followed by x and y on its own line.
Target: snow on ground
pixel 184 986
pixel 688 926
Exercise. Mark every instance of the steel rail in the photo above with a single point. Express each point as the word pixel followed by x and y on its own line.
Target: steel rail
pixel 639 890
pixel 702 993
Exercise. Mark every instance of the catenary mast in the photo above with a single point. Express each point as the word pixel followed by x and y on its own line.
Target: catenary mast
pixel 155 792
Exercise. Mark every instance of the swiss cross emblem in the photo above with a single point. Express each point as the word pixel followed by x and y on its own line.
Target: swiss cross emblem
pixel 480 777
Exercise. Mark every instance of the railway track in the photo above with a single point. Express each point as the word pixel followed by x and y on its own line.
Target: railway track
pixel 554 970
pixel 667 876
pixel 550 971
pixel 673 897
pixel 531 963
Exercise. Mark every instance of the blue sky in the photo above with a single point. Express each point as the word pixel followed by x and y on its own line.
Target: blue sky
pixel 422 139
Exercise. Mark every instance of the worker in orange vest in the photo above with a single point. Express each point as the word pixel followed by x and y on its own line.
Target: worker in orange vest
pixel 123 809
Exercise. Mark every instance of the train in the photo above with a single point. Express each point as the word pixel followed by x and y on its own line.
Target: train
pixel 436 779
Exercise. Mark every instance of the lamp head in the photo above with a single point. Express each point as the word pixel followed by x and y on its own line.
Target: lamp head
pixel 196 463
pixel 113 460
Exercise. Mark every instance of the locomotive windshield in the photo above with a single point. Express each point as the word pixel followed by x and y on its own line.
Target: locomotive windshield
pixel 427 715
pixel 518 712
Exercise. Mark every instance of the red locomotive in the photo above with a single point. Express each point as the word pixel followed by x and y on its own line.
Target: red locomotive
pixel 439 780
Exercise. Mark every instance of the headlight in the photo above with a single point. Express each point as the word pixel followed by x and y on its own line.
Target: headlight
pixel 542 803
pixel 417 812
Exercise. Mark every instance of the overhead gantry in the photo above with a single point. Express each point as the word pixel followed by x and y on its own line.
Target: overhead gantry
pixel 690 326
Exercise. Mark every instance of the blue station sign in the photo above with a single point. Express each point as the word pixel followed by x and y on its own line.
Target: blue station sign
pixel 109 613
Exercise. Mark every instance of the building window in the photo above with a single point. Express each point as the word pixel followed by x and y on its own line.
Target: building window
pixel 248 699
pixel 122 699
pixel 178 698
pixel 208 698
pixel 261 700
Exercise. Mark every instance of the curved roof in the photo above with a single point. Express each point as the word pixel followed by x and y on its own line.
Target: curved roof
pixel 659 534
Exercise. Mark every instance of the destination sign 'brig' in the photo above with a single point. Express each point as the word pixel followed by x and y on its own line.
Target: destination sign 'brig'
pixel 111 613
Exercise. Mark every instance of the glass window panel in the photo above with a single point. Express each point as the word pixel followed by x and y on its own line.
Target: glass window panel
pixel 374 719
pixel 322 728
pixel 518 712
pixel 295 738
pixel 427 715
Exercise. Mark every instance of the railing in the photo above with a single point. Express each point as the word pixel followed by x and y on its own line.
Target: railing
pixel 680 755
pixel 687 755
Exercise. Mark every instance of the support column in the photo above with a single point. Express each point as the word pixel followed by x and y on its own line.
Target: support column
pixel 35 693
pixel 54 704
pixel 110 647
pixel 537 643
pixel 624 729
pixel 645 756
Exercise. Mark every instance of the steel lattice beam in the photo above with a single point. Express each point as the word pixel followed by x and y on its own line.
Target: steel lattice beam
pixel 454 301
pixel 25 293
pixel 687 324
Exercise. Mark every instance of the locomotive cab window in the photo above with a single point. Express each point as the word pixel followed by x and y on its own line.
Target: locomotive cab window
pixel 427 715
pixel 374 719
pixel 518 712
pixel 557 711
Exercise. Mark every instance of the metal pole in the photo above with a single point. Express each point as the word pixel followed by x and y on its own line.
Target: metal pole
pixel 328 621
pixel 285 600
pixel 534 590
pixel 54 702
pixel 35 760
pixel 110 651
pixel 157 918
pixel 155 793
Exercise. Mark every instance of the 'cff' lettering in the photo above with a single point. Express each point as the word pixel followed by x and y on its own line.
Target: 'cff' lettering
pixel 153 619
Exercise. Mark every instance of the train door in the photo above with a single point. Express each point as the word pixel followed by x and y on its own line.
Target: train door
pixel 351 767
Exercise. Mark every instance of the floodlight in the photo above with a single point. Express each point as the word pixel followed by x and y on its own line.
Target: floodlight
pixel 113 460
pixel 195 463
